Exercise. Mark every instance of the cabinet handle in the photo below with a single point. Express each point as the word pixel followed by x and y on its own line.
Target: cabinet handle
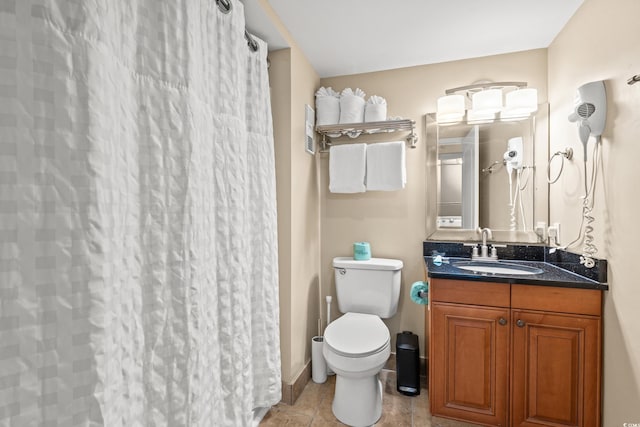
pixel 520 323
pixel 502 321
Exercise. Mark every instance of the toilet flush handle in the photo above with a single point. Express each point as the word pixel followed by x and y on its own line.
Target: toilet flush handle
pixel 342 271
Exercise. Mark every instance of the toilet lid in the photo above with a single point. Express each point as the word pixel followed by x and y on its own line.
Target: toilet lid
pixel 356 335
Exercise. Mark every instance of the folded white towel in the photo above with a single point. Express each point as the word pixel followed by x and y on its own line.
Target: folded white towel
pixel 347 168
pixel 352 106
pixel 327 106
pixel 376 109
pixel 386 166
pixel 327 91
pixel 375 113
pixel 375 99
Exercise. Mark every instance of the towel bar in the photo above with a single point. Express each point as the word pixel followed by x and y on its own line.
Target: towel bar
pixel 354 130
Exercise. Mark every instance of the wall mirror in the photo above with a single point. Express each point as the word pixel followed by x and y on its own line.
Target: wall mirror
pixel 487 175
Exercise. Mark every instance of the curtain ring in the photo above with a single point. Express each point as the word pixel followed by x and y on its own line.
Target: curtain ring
pixel 224 5
pixel 253 45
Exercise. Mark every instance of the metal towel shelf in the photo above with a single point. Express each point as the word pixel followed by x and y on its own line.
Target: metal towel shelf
pixel 354 130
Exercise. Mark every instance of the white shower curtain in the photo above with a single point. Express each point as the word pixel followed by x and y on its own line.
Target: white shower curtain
pixel 138 245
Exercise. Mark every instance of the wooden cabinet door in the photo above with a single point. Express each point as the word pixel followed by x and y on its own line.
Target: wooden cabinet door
pixel 555 370
pixel 469 370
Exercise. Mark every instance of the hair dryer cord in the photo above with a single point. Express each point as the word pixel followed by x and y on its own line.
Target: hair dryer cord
pixel 589 248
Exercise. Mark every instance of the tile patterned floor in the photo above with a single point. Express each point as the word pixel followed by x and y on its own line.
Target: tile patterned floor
pixel 313 408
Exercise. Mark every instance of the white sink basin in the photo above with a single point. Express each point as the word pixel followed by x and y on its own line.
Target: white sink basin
pixel 497 267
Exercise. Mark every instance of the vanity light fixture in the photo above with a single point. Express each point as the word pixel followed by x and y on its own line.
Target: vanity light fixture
pixel 521 101
pixel 450 108
pixel 486 103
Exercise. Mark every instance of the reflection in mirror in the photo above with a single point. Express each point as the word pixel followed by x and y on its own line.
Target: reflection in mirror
pixel 458 178
pixel 486 177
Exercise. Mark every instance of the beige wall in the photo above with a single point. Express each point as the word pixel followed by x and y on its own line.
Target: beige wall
pixel 394 222
pixel 280 82
pixel 305 218
pixel 602 42
pixel 293 83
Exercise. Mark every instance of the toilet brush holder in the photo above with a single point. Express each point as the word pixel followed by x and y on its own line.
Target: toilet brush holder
pixel 318 364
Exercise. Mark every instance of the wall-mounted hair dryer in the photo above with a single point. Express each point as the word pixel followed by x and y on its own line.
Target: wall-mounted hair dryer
pixel 513 155
pixel 590 111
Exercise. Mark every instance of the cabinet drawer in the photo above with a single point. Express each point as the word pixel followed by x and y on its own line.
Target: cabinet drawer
pixel 560 300
pixel 466 292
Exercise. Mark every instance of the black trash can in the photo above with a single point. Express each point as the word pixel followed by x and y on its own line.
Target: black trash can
pixel 408 363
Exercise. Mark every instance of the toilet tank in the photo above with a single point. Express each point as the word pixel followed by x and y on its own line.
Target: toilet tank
pixel 369 287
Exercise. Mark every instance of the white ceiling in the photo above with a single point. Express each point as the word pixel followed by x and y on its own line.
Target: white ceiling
pixel 258 23
pixel 341 37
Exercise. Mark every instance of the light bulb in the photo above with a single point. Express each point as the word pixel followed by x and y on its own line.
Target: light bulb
pixel 450 108
pixel 487 101
pixel 521 102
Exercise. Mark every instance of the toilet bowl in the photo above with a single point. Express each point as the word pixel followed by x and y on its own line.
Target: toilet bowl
pixel 357 345
pixel 356 348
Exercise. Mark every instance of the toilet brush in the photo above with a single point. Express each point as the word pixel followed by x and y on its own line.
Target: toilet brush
pixel 318 364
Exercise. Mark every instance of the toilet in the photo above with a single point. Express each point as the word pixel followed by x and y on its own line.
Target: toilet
pixel 357 345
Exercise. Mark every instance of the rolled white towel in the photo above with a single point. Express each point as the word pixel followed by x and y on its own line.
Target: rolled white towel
pixel 352 106
pixel 327 106
pixel 376 109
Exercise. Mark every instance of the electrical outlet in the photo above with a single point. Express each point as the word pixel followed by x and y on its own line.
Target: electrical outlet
pixel 558 238
pixel 554 233
pixel 541 230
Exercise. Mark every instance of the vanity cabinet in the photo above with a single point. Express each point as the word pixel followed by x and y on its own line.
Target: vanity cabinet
pixel 556 352
pixel 514 355
pixel 469 364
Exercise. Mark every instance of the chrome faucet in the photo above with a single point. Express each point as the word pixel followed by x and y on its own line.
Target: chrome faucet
pixel 484 249
pixel 480 251
pixel 486 234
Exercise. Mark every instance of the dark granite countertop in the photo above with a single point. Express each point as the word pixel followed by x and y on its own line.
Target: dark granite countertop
pixel 559 269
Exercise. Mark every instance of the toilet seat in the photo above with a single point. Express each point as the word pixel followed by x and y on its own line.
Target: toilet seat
pixel 357 335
